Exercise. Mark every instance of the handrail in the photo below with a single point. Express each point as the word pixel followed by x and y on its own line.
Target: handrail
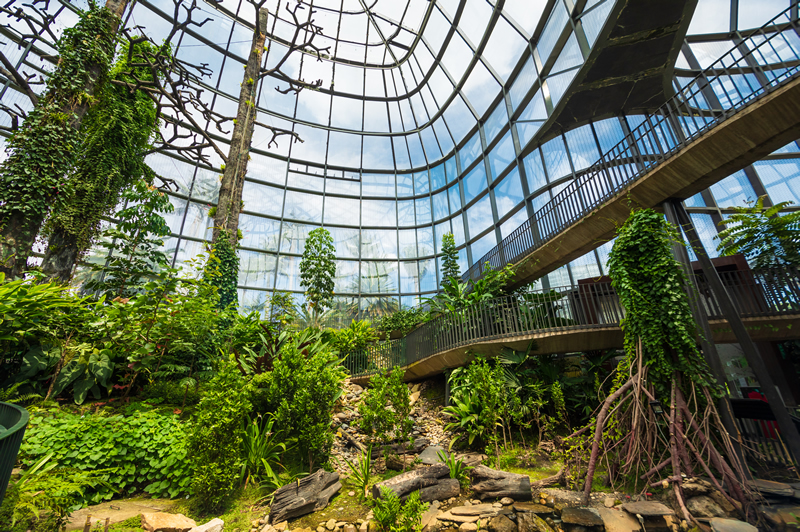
pixel 587 306
pixel 10 440
pixel 766 60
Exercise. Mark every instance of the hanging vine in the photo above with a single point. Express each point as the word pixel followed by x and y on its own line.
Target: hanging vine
pixel 42 151
pixel 116 133
pixel 222 270
pixel 662 367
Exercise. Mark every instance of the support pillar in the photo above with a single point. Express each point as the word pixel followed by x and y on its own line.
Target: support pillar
pixel 710 352
pixel 788 431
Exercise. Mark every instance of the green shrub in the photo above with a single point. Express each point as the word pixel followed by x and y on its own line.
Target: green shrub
pixel 386 407
pixel 216 442
pixel 402 321
pixel 143 452
pixel 301 392
pixel 358 335
pixel 171 393
pixel 392 517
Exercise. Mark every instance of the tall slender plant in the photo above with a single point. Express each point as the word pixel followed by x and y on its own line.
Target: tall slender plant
pixel 317 270
pixel 450 268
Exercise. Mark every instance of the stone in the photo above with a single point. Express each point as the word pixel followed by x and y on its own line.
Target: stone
pixel 532 507
pixel 497 505
pixel 719 524
pixel 215 525
pixel 694 487
pixel 581 517
pixel 341 416
pixel 473 509
pixel 501 523
pixel 164 522
pixel 530 522
pixel 468 527
pixel 618 521
pixel 320 529
pixel 351 493
pixel 506 501
pixel 430 455
pixel 282 526
pixel 363 528
pixel 767 487
pixel 475 501
pixel 415 388
pixel 349 528
pixel 430 515
pixel 449 516
pixel 340 524
pixel 413 398
pixel 331 524
pixel 703 506
pixel 356 388
pixel 647 509
pixel 269 528
pixel 608 502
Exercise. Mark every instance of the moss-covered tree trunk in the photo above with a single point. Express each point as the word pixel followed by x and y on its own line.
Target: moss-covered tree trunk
pixel 43 150
pixel 226 219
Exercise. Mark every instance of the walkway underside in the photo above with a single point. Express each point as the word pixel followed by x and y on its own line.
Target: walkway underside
pixel 748 136
pixel 774 328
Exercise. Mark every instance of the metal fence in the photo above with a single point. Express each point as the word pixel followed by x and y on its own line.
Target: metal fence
pixel 587 306
pixel 767 59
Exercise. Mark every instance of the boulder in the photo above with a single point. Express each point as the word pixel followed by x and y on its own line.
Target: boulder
pixel 468 527
pixel 618 521
pixel 586 517
pixel 473 509
pixel 694 487
pixel 530 522
pixel 430 515
pixel 730 525
pixel 430 455
pixel 506 501
pixel 164 522
pixel 704 506
pixel 501 523
pixel 215 525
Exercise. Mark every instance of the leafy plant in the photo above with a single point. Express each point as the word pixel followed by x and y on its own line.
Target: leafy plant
pixel 262 452
pixel 450 268
pixel 403 321
pixel 386 407
pixel 301 391
pixel 317 269
pixel 766 237
pixel 391 516
pixel 458 469
pixel 222 270
pixel 216 442
pixel 356 336
pixel 143 452
pixel 361 472
pixel 44 496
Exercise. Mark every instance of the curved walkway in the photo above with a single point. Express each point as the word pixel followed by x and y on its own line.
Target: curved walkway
pixel 741 108
pixel 570 320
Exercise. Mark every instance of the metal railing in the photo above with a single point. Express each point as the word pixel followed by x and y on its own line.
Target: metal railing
pixel 585 307
pixel 767 59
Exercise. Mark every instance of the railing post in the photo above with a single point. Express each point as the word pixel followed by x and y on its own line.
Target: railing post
pixel 707 340
pixel 751 353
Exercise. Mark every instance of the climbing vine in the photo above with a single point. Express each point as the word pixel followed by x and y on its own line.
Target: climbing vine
pixel 41 153
pixel 116 132
pixel 650 285
pixel 222 271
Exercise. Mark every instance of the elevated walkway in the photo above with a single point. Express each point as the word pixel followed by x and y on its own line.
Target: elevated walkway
pixel 741 108
pixel 571 319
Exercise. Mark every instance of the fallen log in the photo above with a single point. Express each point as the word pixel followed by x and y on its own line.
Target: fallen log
pixel 441 491
pixel 492 484
pixel 418 446
pixel 405 483
pixel 558 478
pixel 309 494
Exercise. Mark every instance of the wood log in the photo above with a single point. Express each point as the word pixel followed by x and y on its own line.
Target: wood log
pixel 405 483
pixel 402 448
pixel 441 491
pixel 309 494
pixel 558 478
pixel 492 484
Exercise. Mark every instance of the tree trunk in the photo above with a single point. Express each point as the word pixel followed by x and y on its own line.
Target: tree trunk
pixel 405 483
pixel 441 491
pixel 230 192
pixel 20 228
pixel 490 484
pixel 309 494
pixel 61 256
pixel 402 448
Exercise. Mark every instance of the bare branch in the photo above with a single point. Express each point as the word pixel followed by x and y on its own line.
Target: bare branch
pixel 11 72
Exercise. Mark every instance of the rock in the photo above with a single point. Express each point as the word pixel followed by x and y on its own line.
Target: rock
pixel 340 524
pixel 530 522
pixel 703 506
pixel 341 416
pixel 506 501
pixel 269 528
pixel 413 398
pixel 349 528
pixel 730 525
pixel 501 523
pixel 282 526
pixel 215 525
pixel 532 507
pixel 449 516
pixel 618 521
pixel 331 524
pixel 468 527
pixel 647 509
pixel 356 388
pixel 475 501
pixel 430 515
pixel 694 487
pixel 320 529
pixel 581 516
pixel 724 503
pixel 497 505
pixel 767 487
pixel 164 522
pixel 608 502
pixel 430 455
pixel 363 528
pixel 351 493
pixel 473 509
pixel 415 388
